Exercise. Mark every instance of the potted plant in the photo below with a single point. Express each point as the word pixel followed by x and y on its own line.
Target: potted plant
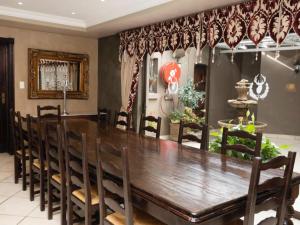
pixel 189 97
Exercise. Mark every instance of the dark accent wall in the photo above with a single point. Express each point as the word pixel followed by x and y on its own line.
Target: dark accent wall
pixel 109 86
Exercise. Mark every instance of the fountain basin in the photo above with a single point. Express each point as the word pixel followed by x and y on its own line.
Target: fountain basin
pixel 229 123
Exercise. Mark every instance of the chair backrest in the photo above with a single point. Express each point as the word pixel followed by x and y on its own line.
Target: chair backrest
pixel 54 151
pixel 239 147
pixel 114 188
pixel 49 112
pixel 35 139
pixel 188 136
pixel 104 115
pixel 124 121
pixel 146 127
pixel 16 129
pixel 282 183
pixel 77 170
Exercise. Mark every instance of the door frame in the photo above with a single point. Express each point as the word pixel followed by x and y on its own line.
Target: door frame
pixel 10 89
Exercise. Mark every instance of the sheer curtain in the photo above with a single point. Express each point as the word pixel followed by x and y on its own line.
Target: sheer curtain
pixel 127 71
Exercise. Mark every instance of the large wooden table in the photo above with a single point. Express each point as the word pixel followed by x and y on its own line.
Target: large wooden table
pixel 178 184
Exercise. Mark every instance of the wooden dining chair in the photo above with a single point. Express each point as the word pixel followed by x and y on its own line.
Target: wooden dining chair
pixel 239 147
pixel 146 127
pixel 56 170
pixel 37 161
pixel 277 202
pixel 124 121
pixel 80 192
pixel 183 135
pixel 21 151
pixel 114 188
pixel 104 115
pixel 49 112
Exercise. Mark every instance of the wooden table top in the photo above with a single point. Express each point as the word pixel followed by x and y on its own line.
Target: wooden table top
pixel 186 181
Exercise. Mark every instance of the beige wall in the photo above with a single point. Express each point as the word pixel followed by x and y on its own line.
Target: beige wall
pixel 25 39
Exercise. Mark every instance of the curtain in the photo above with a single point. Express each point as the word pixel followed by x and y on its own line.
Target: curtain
pixel 127 71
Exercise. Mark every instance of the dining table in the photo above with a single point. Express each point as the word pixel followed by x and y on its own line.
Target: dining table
pixel 181 185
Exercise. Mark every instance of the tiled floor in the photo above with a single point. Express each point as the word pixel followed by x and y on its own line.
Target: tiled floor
pixel 15 207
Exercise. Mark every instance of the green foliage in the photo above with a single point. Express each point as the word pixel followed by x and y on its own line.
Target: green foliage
pixel 268 149
pixel 189 96
pixel 187 116
pixel 175 116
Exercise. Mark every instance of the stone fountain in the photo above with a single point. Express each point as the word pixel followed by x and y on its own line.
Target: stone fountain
pixel 242 105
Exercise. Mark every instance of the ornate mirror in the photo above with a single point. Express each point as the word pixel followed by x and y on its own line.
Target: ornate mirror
pixel 50 72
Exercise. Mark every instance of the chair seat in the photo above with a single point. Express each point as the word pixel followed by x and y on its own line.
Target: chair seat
pixel 81 196
pixel 139 218
pixel 57 178
pixel 37 164
pixel 19 152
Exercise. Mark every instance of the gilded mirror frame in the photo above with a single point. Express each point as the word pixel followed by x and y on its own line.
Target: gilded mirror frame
pixel 34 59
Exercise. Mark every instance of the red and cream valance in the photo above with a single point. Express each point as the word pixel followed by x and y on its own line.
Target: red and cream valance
pixel 254 19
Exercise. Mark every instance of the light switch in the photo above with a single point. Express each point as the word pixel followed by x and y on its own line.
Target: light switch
pixel 22 85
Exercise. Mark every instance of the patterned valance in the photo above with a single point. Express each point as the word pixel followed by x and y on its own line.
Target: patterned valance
pixel 254 19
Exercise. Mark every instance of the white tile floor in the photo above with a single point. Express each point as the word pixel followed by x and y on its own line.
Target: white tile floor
pixel 16 209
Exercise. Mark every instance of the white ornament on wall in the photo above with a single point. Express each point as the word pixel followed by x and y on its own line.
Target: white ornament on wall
pixel 259 88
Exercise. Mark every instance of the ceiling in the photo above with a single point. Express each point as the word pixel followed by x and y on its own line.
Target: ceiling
pixel 96 18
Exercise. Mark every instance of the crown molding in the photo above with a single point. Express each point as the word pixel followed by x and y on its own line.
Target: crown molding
pixel 8 12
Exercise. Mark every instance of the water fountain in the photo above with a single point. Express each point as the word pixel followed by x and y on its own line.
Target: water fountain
pixel 242 105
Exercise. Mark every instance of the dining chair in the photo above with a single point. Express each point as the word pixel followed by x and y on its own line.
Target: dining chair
pixel 240 147
pixel 37 162
pixel 56 170
pixel 185 135
pixel 21 151
pixel 114 188
pixel 122 119
pixel 49 112
pixel 80 192
pixel 104 115
pixel 277 202
pixel 145 126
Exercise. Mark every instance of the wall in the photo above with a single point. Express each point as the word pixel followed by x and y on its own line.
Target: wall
pixel 25 39
pixel 109 73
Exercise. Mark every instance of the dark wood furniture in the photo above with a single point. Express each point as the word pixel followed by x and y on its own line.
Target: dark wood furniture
pixel 37 162
pixel 21 152
pixel 56 170
pixel 191 137
pixel 104 115
pixel 114 195
pixel 49 112
pixel 282 183
pixel 155 128
pixel 124 121
pixel 239 147
pixel 80 192
pixel 178 184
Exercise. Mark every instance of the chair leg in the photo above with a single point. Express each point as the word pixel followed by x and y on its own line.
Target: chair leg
pixel 24 179
pixel 88 215
pixel 63 206
pixel 70 211
pixel 31 183
pixel 17 169
pixel 42 191
pixel 50 202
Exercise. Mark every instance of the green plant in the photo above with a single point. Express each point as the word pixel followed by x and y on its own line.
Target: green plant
pixel 187 116
pixel 189 96
pixel 268 149
pixel 175 116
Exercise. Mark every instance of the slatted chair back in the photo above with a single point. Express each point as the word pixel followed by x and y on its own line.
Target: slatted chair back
pixel 104 115
pixel 49 112
pixel 239 147
pixel 114 195
pixel 77 170
pixel 35 140
pixel 146 127
pixel 54 151
pixel 188 136
pixel 122 119
pixel 282 183
pixel 16 129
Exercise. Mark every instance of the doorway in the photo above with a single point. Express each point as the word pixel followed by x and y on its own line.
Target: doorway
pixel 6 92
